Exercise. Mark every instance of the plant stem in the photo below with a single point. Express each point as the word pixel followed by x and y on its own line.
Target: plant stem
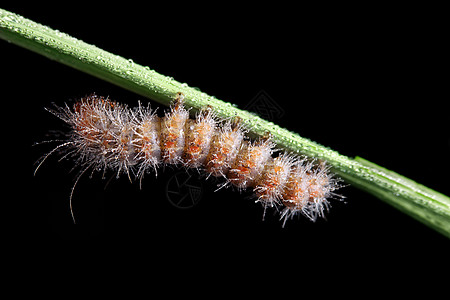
pixel 420 202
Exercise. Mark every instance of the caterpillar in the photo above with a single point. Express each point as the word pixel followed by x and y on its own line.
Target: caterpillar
pixel 107 136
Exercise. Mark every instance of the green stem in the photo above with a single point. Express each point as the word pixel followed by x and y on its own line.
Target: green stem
pixel 420 202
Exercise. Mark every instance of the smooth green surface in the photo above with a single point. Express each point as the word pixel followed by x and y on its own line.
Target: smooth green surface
pixel 420 202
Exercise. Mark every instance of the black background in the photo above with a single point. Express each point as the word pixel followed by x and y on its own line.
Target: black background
pixel 369 85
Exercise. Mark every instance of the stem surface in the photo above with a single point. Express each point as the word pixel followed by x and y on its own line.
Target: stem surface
pixel 418 201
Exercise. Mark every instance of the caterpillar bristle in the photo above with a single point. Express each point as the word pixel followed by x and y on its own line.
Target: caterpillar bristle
pixel 199 133
pixel 173 131
pixel 147 128
pixel 224 148
pixel 106 135
pixel 272 181
pixel 250 162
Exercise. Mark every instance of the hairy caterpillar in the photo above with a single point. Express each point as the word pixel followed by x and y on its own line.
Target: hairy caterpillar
pixel 108 136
